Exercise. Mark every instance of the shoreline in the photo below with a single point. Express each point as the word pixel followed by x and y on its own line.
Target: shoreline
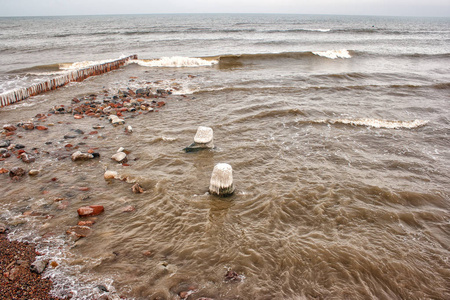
pixel 18 281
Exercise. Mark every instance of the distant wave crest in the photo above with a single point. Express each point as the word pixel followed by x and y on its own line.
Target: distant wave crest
pixel 333 54
pixel 377 123
pixel 177 62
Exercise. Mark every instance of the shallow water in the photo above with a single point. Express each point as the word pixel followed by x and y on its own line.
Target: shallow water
pixel 340 165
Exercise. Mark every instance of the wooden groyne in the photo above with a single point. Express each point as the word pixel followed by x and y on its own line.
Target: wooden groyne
pixel 54 83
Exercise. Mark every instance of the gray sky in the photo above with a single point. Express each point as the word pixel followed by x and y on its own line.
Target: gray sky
pixel 439 8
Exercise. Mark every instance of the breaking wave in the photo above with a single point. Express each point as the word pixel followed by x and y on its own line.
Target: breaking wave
pixel 333 54
pixel 177 62
pixel 376 123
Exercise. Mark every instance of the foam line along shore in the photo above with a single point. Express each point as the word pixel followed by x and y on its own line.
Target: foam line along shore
pixel 54 83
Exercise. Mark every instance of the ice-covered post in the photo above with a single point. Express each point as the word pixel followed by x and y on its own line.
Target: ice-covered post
pixel 221 183
pixel 203 139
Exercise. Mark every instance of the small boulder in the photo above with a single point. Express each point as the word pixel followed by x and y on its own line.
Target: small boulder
pixel 120 157
pixel 92 210
pixel 38 266
pixel 137 189
pixel 110 175
pixel 33 172
pixel 9 127
pixel 27 158
pixel 81 156
pixel 28 126
pixel 4 144
pixel 79 231
pixel 16 171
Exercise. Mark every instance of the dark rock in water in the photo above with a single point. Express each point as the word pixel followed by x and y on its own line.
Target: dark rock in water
pixel 2 228
pixel 69 136
pixel 142 92
pixel 137 189
pixel 233 276
pixel 96 155
pixel 79 131
pixel 19 146
pixel 102 288
pixel 27 158
pixel 16 171
pixel 79 231
pixel 48 143
pixel 4 144
pixel 39 266
pixel 194 147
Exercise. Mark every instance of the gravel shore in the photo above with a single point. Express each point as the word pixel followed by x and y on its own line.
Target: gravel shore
pixel 17 280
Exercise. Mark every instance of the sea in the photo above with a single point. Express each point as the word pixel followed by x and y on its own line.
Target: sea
pixel 336 127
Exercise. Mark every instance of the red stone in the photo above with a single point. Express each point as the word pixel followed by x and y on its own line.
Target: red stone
pixel 9 127
pixel 68 146
pixel 92 210
pixel 41 127
pixel 86 223
pixel 128 208
pixel 93 132
pixel 78 116
pixel 28 126
pixel 9 133
pixel 79 231
pixel 20 151
pixel 84 189
pixel 3 171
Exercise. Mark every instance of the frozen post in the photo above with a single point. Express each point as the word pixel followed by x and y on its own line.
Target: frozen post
pixel 222 180
pixel 203 140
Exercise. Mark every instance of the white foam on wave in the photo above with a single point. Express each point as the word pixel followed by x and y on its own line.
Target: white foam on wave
pixel 333 54
pixel 86 64
pixel 318 30
pixel 177 62
pixel 377 123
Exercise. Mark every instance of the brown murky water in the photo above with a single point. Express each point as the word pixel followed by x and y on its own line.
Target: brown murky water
pixel 342 187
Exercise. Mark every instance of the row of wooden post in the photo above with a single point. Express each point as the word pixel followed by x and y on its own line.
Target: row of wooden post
pixel 54 83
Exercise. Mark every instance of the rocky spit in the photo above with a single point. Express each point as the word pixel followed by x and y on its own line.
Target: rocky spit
pixel 20 279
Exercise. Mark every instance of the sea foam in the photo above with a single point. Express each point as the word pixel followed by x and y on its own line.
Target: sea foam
pixel 377 123
pixel 333 54
pixel 177 62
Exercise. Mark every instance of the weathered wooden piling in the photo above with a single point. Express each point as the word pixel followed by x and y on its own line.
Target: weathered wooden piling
pixel 221 183
pixel 54 83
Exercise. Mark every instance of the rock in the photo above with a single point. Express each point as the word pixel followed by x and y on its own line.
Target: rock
pixel 79 131
pixel 121 149
pixel 120 157
pixel 38 266
pixel 110 175
pixel 3 150
pixel 137 189
pixel 221 183
pixel 86 223
pixel 16 171
pixel 129 129
pixel 41 128
pixel 81 156
pixel 28 126
pixel 14 274
pixel 33 172
pixel 3 171
pixel 4 144
pixel 9 127
pixel 203 139
pixel 27 158
pixel 19 146
pixel 92 210
pixel 69 136
pixel 233 276
pixel 79 231
pixel 128 208
pixel 3 228
pixel 98 127
pixel 118 121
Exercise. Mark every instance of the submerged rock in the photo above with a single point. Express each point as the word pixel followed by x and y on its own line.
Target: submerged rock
pixel 79 231
pixel 137 189
pixel 203 140
pixel 221 183
pixel 91 210
pixel 16 171
pixel 27 158
pixel 4 144
pixel 120 157
pixel 9 127
pixel 81 156
pixel 110 175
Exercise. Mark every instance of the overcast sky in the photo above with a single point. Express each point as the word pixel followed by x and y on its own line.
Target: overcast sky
pixel 439 8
